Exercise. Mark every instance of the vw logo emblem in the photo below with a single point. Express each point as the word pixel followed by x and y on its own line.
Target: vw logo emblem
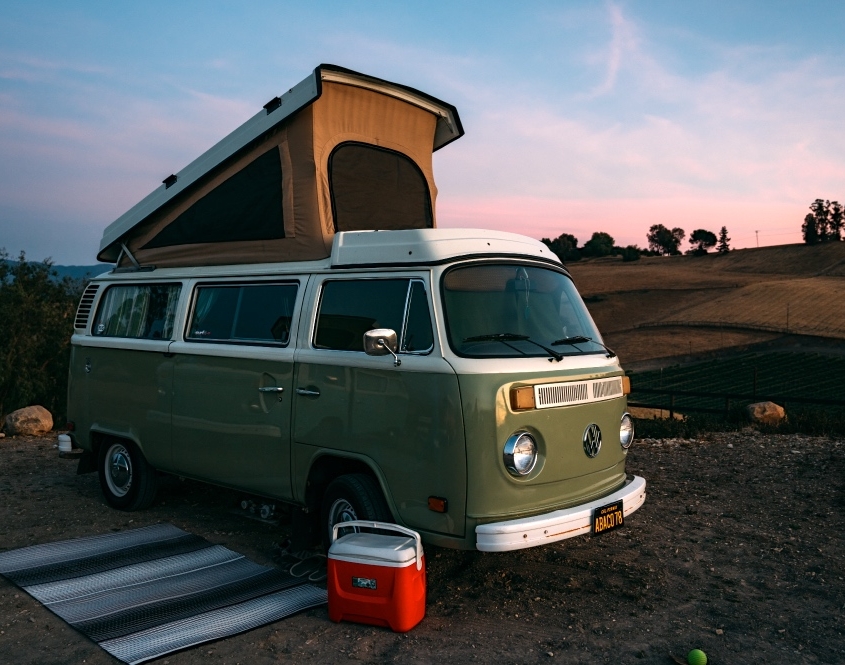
pixel 592 440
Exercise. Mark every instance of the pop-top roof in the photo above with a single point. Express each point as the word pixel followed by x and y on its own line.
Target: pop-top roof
pixel 338 151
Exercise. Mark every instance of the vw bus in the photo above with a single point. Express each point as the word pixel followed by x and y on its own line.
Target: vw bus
pixel 285 319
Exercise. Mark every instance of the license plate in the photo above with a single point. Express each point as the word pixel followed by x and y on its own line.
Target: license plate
pixel 608 517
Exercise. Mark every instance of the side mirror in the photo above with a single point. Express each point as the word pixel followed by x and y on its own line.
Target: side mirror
pixel 381 342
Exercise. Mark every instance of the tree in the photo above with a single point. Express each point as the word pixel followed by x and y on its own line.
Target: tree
pixel 836 220
pixel 701 240
pixel 565 246
pixel 821 212
pixel 723 245
pixel 663 240
pixel 630 253
pixel 601 244
pixel 809 229
pixel 36 322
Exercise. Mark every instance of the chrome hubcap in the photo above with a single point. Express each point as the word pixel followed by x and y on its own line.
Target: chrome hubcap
pixel 119 470
pixel 342 511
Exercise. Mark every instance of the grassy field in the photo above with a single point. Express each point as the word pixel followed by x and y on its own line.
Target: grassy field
pixel 662 307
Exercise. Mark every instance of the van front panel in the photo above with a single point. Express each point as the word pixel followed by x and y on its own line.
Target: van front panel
pixel 564 474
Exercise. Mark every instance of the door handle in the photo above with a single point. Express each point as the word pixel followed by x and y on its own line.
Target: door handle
pixel 308 392
pixel 278 390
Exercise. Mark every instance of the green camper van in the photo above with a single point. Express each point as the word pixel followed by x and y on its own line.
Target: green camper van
pixel 285 319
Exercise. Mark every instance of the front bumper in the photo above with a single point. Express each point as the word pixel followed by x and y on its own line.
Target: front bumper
pixel 558 525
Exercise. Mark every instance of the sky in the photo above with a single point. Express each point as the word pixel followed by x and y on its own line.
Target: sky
pixel 579 116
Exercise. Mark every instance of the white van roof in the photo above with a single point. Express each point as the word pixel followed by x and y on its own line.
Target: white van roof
pixel 377 249
pixel 429 247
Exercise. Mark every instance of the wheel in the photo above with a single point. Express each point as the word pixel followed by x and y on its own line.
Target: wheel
pixel 126 478
pixel 355 496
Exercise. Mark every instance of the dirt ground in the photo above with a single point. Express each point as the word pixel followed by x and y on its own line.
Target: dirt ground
pixel 739 550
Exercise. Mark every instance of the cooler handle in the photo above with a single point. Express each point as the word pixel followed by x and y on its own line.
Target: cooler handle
pixel 384 526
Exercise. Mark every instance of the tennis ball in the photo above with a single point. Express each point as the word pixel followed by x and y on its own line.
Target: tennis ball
pixel 697 657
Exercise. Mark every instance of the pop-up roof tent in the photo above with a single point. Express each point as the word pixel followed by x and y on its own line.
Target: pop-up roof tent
pixel 340 151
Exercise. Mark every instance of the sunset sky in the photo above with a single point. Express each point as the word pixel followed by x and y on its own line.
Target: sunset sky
pixel 579 116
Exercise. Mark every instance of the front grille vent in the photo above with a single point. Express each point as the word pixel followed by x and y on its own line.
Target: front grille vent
pixel 606 389
pixel 84 310
pixel 570 393
pixel 560 393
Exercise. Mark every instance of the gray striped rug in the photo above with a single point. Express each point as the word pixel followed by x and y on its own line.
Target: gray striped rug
pixel 146 592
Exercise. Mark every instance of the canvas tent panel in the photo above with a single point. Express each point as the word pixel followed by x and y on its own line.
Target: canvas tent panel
pixel 247 206
pixel 377 189
pixel 347 114
pixel 297 239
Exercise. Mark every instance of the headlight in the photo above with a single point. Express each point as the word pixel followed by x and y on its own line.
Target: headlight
pixel 520 454
pixel 626 430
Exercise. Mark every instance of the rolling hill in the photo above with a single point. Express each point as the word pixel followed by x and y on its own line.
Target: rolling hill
pixel 687 305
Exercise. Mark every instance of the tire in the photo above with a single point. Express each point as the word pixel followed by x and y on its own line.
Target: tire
pixel 126 478
pixel 355 496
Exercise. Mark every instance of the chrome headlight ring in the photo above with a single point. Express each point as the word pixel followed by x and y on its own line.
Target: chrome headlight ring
pixel 626 431
pixel 520 454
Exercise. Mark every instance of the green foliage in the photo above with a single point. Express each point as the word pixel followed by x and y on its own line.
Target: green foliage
pixel 565 246
pixel 663 240
pixel 701 240
pixel 36 323
pixel 601 244
pixel 629 253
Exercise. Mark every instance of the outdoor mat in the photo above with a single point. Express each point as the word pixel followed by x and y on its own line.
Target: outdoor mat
pixel 144 593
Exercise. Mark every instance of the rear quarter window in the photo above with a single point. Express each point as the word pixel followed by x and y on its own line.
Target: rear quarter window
pixel 137 311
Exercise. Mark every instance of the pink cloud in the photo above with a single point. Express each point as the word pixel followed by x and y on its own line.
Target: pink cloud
pixel 627 220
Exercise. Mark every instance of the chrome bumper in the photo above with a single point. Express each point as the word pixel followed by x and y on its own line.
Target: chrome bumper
pixel 558 525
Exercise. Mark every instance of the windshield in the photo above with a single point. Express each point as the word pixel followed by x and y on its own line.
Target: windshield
pixel 504 310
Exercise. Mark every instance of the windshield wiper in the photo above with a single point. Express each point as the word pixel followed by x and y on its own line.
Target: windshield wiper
pixel 513 337
pixel 580 339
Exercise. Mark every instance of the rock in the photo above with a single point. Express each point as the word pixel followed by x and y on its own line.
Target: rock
pixel 766 413
pixel 31 420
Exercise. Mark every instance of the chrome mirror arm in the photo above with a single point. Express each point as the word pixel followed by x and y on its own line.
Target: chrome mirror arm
pixel 383 344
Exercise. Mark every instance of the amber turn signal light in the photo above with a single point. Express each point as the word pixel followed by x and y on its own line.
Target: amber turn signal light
pixel 522 398
pixel 437 504
pixel 626 385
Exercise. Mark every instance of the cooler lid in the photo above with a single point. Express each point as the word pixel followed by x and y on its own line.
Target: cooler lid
pixel 374 548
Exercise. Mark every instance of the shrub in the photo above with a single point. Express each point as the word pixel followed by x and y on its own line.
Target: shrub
pixel 36 323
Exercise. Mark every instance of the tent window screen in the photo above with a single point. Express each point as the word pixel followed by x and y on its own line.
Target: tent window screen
pixel 374 188
pixel 247 206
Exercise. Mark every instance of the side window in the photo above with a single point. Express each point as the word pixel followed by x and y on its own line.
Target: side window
pixel 243 313
pixel 350 308
pixel 417 336
pixel 138 311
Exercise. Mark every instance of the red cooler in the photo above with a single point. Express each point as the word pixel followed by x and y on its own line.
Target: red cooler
pixel 377 579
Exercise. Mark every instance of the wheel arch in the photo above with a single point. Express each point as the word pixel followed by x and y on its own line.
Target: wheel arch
pixel 101 436
pixel 328 466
